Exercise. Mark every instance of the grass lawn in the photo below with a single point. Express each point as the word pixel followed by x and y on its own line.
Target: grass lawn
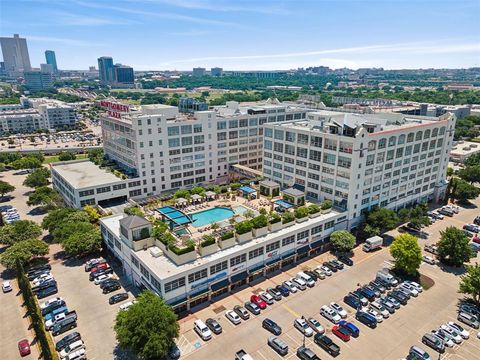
pixel 52 159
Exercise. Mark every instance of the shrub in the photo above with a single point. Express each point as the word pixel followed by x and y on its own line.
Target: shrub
pixel 259 222
pixel 180 251
pixel 275 218
pixel 288 217
pixel 243 227
pixel 313 209
pixel 167 239
pixel 235 185
pixel 327 204
pixel 227 236
pixel 301 212
pixel 207 240
pixel 262 211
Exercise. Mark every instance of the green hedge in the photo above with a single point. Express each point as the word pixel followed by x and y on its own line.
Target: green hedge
pixel 227 236
pixel 327 204
pixel 46 343
pixel 288 217
pixel 275 218
pixel 243 227
pixel 259 222
pixel 301 212
pixel 314 209
pixel 180 251
pixel 207 241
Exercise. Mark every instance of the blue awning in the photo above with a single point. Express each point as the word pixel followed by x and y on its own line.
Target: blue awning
pixel 174 215
pixel 316 244
pixel 220 284
pixel 284 204
pixel 178 302
pixel 239 277
pixel 290 253
pixel 303 250
pixel 255 268
pixel 200 292
pixel 247 189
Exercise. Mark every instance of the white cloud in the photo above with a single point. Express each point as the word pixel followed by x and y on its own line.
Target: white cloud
pixel 73 42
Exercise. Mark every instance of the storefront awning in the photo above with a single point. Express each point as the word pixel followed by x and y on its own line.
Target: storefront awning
pixel 178 302
pixel 220 284
pixel 273 262
pixel 198 293
pixel 303 250
pixel 238 277
pixel 316 244
pixel 288 254
pixel 255 268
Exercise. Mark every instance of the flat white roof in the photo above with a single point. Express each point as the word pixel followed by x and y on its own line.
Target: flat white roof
pixel 465 148
pixel 84 174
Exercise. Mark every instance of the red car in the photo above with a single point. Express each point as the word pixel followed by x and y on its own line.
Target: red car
pixel 99 266
pixel 24 347
pixel 258 301
pixel 476 239
pixel 342 332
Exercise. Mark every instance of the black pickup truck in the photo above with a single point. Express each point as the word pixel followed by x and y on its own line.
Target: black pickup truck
pixel 327 344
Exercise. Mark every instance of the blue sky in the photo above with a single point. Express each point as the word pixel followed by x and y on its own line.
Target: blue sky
pixel 246 34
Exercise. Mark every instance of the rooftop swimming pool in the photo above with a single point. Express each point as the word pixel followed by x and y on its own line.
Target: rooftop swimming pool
pixel 214 215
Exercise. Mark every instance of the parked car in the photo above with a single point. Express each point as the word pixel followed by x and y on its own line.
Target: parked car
pixel 346 260
pixel 367 293
pixel 340 310
pixel 330 314
pixel 476 221
pixel 111 287
pixel 457 327
pixel 353 330
pixel 102 278
pixel 271 326
pixel 399 296
pixel 202 330
pixel 330 266
pixel 313 275
pixel 388 305
pixel 278 345
pixel 306 279
pixel 305 353
pixel 47 292
pixel 326 270
pixel 44 285
pixel 67 340
pixel 93 275
pixel 90 264
pixel 301 325
pixel 253 308
pixel 258 301
pixel 64 325
pixel 337 264
pixel 327 344
pixel 299 283
pixel 242 312
pixel 6 286
pixel 125 306
pixel 24 347
pixel 352 301
pixel 434 342
pixel 471 309
pixel 283 290
pixel 384 283
pixel 290 286
pixel 233 317
pixel 417 286
pixel 452 333
pixel 50 302
pixel 376 285
pixel 474 228
pixel 315 325
pixel 277 295
pixel 468 319
pixel 214 326
pixel 266 297
pixel 375 305
pixel 419 354
pixel 53 306
pixel 375 314
pixel 341 332
pixel 409 288
pixel 367 319
pixel 320 273
pixel 108 282
pixel 360 297
pixel 71 348
pixel 117 298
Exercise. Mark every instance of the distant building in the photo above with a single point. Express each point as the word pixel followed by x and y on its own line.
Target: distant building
pixel 124 76
pixel 51 59
pixel 48 68
pixel 189 105
pixel 106 70
pixel 216 71
pixel 15 55
pixel 38 80
pixel 198 71
pixel 462 150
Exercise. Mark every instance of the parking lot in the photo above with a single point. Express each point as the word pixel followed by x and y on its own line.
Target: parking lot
pixel 390 340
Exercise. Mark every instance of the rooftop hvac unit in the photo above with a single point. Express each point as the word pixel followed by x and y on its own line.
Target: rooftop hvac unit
pixel 155 251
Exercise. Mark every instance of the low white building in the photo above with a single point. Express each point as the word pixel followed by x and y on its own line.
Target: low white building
pixel 462 150
pixel 203 278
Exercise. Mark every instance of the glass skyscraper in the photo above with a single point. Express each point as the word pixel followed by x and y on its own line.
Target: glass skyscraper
pixel 51 59
pixel 106 70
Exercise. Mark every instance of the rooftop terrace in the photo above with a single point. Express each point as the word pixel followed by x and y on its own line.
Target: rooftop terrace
pixel 83 174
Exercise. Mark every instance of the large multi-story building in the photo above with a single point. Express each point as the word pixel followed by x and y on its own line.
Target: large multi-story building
pixel 20 121
pixel 106 69
pixel 15 55
pixel 124 76
pixel 199 71
pixel 51 59
pixel 169 150
pixel 216 71
pixel 38 80
pixel 359 161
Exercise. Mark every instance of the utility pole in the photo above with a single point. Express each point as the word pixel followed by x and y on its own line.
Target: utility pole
pixel 303 318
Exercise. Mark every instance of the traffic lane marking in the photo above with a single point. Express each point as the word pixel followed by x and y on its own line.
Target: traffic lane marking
pixel 286 307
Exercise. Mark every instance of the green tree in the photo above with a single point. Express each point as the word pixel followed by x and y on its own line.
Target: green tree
pixel 19 231
pixel 470 174
pixel 449 171
pixel 37 178
pixel 473 160
pixel 23 251
pixel 382 219
pixel 470 282
pixel 463 191
pixel 66 156
pixel 342 240
pixel 418 215
pixel 148 328
pixel 198 190
pixel 407 253
pixel 182 194
pixel 67 228
pixel 45 197
pixel 454 247
pixel 133 210
pixel 403 215
pixel 56 217
pixel 28 162
pixel 83 242
pixel 5 188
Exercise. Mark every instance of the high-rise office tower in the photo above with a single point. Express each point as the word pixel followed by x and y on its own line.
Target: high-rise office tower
pixel 124 76
pixel 106 69
pixel 51 59
pixel 15 55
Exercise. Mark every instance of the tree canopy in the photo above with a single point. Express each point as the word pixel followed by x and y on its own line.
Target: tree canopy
pixel 342 240
pixel 19 231
pixel 27 162
pixel 454 246
pixel 5 188
pixel 82 242
pixel 66 156
pixel 380 220
pixel 407 253
pixel 45 197
pixel 24 251
pixel 463 191
pixel 148 328
pixel 37 178
pixel 470 174
pixel 56 217
pixel 470 282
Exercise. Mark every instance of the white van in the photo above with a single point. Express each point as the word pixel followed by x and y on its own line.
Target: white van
pixel 299 283
pixel 387 278
pixel 72 348
pixel 307 278
pixel 202 330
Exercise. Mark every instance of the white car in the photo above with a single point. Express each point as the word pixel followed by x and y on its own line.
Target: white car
pixel 380 309
pixel 454 208
pixel 463 333
pixel 454 335
pixel 326 270
pixel 340 310
pixel 289 285
pixel 302 326
pixel 127 305
pixel 409 288
pixel 75 346
pixel 428 259
pixel 77 355
pixel 315 325
pixel 49 302
pixel 445 338
pixel 299 283
pixel 373 312
pixel 330 314
pixel 102 278
pixel 438 215
pixel 233 317
pixel 6 286
pixel 415 285
pixel 42 278
pixel 266 297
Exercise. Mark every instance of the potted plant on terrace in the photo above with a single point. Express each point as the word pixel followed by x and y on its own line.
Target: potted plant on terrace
pixel 301 214
pixel 208 245
pixel 182 255
pixel 326 206
pixel 227 240
pixel 260 224
pixel 288 218
pixel 314 210
pixel 243 231
pixel 275 222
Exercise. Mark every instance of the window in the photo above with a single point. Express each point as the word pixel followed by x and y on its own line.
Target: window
pixel 288 240
pixel 145 272
pixel 174 284
pixel 173 131
pixel 401 139
pixel 218 267
pixel 418 136
pixel 134 260
pixel 329 224
pixel 103 189
pixel 255 253
pixel 317 229
pixel 197 276
pixel 303 234
pixel 238 259
pixel 273 246
pixel 392 141
pixel 382 143
pixel 86 193
pixel 329 159
pixel 290 136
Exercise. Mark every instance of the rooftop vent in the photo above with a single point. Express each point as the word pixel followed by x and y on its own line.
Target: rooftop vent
pixel 155 251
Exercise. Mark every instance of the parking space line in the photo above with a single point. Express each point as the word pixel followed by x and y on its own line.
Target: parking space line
pixel 295 341
pixel 260 353
pixel 286 307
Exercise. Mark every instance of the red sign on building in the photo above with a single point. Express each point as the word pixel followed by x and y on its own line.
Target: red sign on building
pixel 114 110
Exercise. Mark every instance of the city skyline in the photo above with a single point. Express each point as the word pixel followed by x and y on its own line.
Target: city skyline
pixel 272 35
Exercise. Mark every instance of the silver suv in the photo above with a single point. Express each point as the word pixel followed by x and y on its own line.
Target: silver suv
pixel 278 345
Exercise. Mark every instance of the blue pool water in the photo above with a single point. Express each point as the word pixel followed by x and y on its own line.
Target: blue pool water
pixel 210 216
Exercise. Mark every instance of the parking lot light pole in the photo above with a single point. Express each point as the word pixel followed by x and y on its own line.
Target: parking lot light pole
pixel 303 318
